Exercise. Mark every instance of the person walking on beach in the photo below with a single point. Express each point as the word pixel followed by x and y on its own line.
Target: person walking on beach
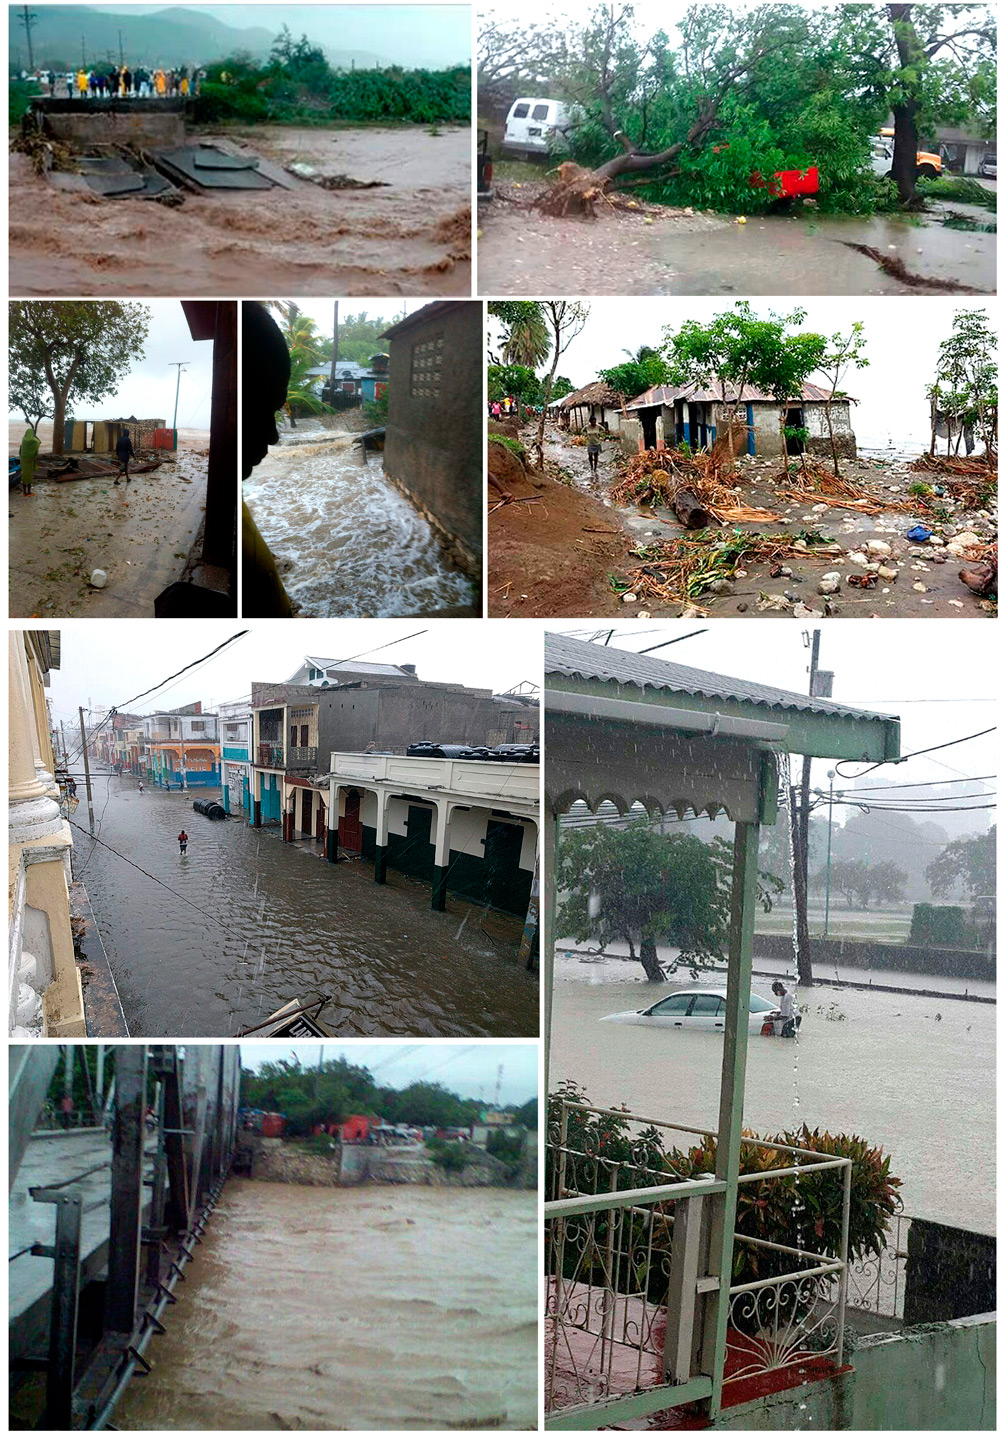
pixel 124 451
pixel 595 438
pixel 29 458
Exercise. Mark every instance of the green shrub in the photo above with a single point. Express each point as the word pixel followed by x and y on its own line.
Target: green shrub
pixel 938 925
pixel 20 93
pixel 958 187
pixel 376 410
pixel 511 443
pixel 449 1155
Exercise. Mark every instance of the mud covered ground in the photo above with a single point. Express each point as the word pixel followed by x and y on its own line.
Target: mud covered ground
pixel 658 250
pixel 412 236
pixel 556 554
pixel 139 533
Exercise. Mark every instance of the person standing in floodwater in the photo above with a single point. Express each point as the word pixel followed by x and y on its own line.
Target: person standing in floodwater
pixel 595 438
pixel 124 451
pixel 182 841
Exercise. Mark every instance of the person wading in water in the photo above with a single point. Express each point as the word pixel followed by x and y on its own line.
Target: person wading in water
pixel 182 842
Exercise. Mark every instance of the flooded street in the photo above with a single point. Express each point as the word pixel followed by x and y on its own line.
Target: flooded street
pixel 905 1072
pixel 364 1308
pixel 249 923
pixel 410 235
pixel 521 252
pixel 347 544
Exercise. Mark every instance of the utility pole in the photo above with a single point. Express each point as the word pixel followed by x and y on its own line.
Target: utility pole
pixel 798 820
pixel 184 777
pixel 27 19
pixel 180 367
pixel 829 849
pixel 86 773
pixel 83 52
pixel 62 729
pixel 121 52
pixel 336 345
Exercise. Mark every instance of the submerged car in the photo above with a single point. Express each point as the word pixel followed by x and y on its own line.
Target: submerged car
pixel 699 1010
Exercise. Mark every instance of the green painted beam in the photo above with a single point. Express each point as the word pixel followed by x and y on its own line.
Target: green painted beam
pixel 632 1406
pixel 873 738
pixel 642 1195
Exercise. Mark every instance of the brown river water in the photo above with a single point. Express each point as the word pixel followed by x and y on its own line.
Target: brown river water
pixel 379 1307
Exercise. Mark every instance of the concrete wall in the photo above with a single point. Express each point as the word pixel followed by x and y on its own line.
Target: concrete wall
pixel 393 716
pixel 433 443
pixel 153 124
pixel 940 1376
pixel 882 956
pixel 630 433
pixel 950 1273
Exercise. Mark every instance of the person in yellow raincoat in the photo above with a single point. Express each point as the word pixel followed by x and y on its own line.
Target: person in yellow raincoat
pixel 29 459
pixel 160 83
pixel 82 84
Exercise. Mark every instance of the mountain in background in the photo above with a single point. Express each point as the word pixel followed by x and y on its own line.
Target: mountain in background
pixel 171 37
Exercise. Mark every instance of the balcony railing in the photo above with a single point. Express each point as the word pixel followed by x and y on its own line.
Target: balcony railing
pixel 626 1238
pixel 276 754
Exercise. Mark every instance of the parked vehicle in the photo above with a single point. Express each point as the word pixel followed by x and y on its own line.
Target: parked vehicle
pixel 539 126
pixel 484 168
pixel 987 167
pixel 697 1010
pixel 928 164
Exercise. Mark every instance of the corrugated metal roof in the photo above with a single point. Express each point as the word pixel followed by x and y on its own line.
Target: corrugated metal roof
pixel 569 657
pixel 380 669
pixel 713 393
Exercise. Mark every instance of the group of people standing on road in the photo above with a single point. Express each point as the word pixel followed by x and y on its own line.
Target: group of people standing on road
pixel 123 83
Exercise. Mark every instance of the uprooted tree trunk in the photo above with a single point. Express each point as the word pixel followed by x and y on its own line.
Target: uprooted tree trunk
pixel 684 501
pixel 579 190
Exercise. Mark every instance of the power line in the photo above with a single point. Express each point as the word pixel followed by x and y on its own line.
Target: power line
pixel 921 753
pixel 944 782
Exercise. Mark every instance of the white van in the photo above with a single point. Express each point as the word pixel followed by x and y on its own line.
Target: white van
pixel 539 126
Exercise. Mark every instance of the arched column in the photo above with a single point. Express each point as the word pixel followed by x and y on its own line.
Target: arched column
pixel 381 833
pixel 32 812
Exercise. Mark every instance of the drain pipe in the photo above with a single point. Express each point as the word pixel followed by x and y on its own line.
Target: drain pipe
pixel 151 1323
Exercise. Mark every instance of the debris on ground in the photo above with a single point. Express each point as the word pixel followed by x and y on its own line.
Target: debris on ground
pixel 889 264
pixel 812 479
pixel 693 484
pixel 689 568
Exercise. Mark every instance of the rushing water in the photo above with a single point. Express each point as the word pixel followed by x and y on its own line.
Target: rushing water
pixel 244 923
pixel 393 1307
pixel 346 542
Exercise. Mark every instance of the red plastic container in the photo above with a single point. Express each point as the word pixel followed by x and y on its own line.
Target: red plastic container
pixel 273 1125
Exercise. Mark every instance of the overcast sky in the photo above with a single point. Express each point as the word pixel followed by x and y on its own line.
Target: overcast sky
pixel 902 344
pixel 417 36
pixel 149 388
pixel 926 673
pixel 110 662
pixel 385 309
pixel 468 1069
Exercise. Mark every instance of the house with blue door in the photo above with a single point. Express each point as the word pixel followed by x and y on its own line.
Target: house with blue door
pixel 750 419
pixel 364 381
pixel 236 742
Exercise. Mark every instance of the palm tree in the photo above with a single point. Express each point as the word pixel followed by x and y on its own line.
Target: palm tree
pixel 302 337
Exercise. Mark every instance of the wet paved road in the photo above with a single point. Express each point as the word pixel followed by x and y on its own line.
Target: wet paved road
pixel 274 922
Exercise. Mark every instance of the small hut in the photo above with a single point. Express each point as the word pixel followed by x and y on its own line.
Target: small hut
pixel 595 401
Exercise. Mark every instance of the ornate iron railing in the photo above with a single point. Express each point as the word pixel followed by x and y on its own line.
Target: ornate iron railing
pixel 617 1324
pixel 877 1283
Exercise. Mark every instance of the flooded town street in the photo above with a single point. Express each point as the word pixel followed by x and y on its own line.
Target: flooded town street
pixel 904 1072
pixel 287 1310
pixel 347 544
pixel 243 923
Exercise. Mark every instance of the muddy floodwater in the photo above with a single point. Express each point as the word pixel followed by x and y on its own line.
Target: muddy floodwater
pixel 674 252
pixel 347 544
pixel 411 235
pixel 911 1073
pixel 367 1308
pixel 249 922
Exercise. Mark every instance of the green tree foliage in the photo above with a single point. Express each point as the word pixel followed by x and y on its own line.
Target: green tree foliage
pixel 301 335
pixel 747 93
pixel 513 380
pixel 359 337
pixel 970 863
pixel 298 86
pixel 525 338
pixel 82 350
pixel 449 1155
pixel 641 887
pixel 739 347
pixel 636 375
pixel 860 883
pixel 965 381
pixel 562 387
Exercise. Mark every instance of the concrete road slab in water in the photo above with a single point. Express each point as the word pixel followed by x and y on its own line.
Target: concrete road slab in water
pixel 248 923
pixel 890 1072
pixel 379 1307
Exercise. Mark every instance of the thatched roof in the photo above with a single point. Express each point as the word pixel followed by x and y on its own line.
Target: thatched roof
pixel 597 392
